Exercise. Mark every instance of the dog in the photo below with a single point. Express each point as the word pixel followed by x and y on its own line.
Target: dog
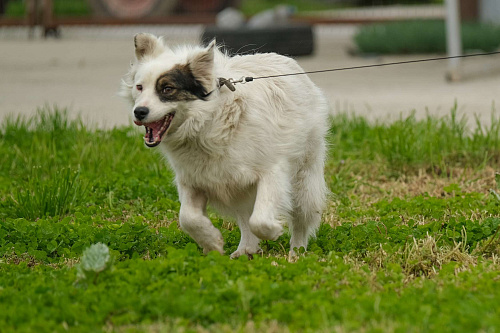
pixel 256 154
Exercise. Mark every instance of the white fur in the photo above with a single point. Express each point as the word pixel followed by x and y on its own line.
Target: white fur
pixel 256 154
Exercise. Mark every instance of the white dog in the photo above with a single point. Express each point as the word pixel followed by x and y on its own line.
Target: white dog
pixel 256 154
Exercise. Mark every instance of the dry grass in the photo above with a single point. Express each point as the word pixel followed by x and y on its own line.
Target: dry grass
pixel 178 326
pixel 372 188
pixel 419 258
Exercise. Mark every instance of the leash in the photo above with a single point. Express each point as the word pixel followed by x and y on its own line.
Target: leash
pixel 229 83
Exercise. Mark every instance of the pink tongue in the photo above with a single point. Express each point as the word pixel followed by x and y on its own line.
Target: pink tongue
pixel 156 126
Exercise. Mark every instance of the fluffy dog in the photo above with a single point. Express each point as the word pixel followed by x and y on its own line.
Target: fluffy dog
pixel 256 154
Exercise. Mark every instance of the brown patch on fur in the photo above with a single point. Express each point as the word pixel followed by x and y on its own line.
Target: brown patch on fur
pixel 201 66
pixel 179 84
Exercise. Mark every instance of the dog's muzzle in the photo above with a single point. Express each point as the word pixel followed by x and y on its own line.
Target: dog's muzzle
pixel 156 131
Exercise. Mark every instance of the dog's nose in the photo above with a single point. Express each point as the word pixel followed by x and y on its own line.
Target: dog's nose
pixel 141 112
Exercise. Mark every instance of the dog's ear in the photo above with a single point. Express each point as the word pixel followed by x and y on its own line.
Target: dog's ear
pixel 147 45
pixel 202 65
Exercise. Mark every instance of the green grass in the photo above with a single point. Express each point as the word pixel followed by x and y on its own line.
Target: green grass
pixel 397 2
pixel 17 8
pixel 425 36
pixel 55 196
pixel 409 242
pixel 252 7
pixel 409 144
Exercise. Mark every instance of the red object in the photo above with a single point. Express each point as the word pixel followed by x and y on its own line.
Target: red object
pixel 469 10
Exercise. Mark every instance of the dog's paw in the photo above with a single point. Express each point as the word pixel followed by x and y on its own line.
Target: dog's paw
pixel 294 255
pixel 266 229
pixel 245 251
pixel 218 245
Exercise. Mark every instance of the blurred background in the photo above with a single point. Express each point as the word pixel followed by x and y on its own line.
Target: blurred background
pixel 73 53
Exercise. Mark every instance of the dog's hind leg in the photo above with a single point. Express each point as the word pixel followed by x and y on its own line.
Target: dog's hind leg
pixel 249 243
pixel 309 199
pixel 194 221
pixel 272 203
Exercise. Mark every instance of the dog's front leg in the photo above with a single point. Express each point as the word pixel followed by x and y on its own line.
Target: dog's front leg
pixel 272 202
pixel 249 243
pixel 194 221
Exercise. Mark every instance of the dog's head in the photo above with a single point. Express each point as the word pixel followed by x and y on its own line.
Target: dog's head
pixel 163 84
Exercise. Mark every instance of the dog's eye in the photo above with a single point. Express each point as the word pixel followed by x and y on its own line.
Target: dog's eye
pixel 139 87
pixel 167 90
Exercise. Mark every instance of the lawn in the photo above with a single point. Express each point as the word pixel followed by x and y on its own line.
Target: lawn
pixel 424 36
pixel 410 241
pixel 17 8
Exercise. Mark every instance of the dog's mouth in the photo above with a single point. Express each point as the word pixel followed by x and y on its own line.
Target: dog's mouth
pixel 156 130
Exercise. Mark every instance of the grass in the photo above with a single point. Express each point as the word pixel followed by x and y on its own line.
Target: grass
pixel 89 239
pixel 397 2
pixel 409 144
pixel 423 36
pixel 55 196
pixel 17 8
pixel 252 7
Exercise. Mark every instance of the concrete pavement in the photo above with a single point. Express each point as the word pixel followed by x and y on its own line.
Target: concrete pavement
pixel 82 71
